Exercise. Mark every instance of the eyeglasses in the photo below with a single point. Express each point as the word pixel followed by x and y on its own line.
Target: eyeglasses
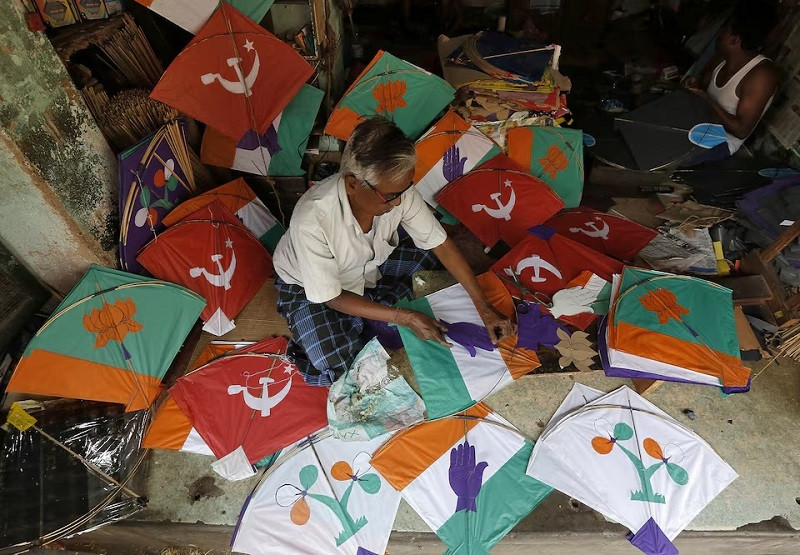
pixel 386 199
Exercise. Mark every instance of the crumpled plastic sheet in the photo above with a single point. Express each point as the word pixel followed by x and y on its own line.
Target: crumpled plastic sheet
pixel 49 494
pixel 366 402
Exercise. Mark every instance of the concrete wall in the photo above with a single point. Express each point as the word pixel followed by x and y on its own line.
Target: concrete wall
pixel 58 185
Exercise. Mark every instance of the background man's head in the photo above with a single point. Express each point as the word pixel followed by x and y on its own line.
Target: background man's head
pixel 378 157
pixel 750 24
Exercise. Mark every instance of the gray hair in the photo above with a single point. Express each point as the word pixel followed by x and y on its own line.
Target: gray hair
pixel 377 147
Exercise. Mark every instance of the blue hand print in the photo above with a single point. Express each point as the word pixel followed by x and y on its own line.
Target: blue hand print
pixel 453 166
pixel 466 478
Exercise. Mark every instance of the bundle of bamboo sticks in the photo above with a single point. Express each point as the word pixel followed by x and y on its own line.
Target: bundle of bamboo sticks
pixel 128 116
pixel 131 54
pixel 790 341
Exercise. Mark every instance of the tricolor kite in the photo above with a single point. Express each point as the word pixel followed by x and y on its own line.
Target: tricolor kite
pixel 554 155
pixel 499 200
pixel 253 398
pixel 111 339
pixel 453 379
pixel 193 14
pixel 465 476
pixel 394 89
pixel 322 496
pixel 240 199
pixel 613 235
pixel 154 177
pixel 212 253
pixel 632 462
pixel 277 152
pixel 233 76
pixel 676 328
pixel 448 150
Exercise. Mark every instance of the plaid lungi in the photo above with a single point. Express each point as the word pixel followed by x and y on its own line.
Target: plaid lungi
pixel 325 341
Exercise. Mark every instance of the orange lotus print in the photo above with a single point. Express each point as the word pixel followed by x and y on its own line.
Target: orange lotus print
pixel 665 304
pixel 390 95
pixel 554 161
pixel 112 322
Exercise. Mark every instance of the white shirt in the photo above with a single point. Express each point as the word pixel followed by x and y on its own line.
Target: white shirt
pixel 325 250
pixel 727 98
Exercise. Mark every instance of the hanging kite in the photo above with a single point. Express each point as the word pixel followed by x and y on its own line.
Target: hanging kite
pixel 552 154
pixel 499 200
pixel 465 476
pixel 453 379
pixel 233 76
pixel 170 429
pixel 193 14
pixel 253 400
pixel 111 339
pixel 448 150
pixel 612 235
pixel 240 199
pixel 154 176
pixel 629 460
pixel 394 89
pixel 277 152
pixel 322 496
pixel 675 328
pixel 212 253
pixel 665 133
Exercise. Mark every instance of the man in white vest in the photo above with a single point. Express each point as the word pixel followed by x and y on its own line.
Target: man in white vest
pixel 743 82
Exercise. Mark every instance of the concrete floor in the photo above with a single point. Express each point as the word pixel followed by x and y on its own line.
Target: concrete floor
pixel 756 432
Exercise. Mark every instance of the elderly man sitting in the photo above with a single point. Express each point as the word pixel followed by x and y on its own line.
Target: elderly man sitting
pixel 342 264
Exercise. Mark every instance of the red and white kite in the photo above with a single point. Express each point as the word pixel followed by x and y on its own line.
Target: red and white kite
pixel 605 233
pixel 254 399
pixel 546 262
pixel 212 253
pixel 234 75
pixel 499 200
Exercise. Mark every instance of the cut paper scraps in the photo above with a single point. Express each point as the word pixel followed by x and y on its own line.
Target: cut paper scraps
pixel 394 89
pixel 453 379
pixel 321 496
pixel 111 339
pixel 632 462
pixel 240 199
pixel 612 235
pixel 253 399
pixel 552 154
pixel 212 253
pixel 465 476
pixel 155 175
pixel 278 151
pixel 448 150
pixel 193 14
pixel 233 76
pixel 675 328
pixel 499 200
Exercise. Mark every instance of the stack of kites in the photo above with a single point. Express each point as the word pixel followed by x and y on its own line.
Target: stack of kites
pixel 249 88
pixel 511 81
pixel 629 460
pixel 675 328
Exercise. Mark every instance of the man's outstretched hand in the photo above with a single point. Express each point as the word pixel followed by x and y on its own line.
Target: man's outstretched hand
pixel 498 326
pixel 423 326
